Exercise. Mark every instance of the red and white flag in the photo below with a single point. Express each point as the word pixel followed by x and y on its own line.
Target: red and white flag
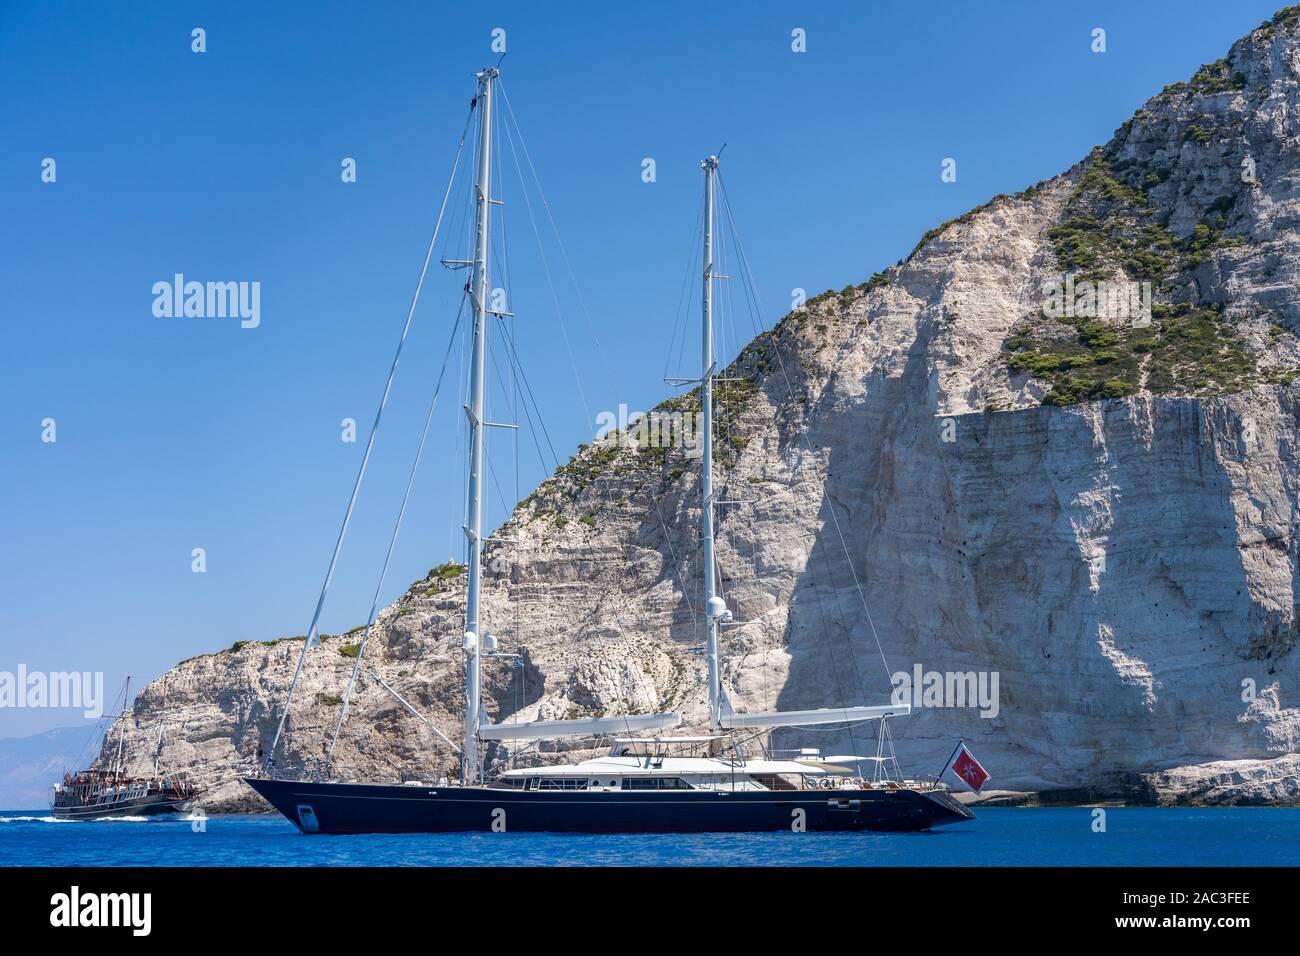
pixel 965 769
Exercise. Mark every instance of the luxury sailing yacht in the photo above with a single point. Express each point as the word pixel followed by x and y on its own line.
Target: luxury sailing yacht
pixel 650 781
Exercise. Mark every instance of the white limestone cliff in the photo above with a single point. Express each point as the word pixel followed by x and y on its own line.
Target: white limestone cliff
pixel 1126 566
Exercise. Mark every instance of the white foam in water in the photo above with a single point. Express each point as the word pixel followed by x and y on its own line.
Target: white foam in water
pixel 34 820
pixel 66 820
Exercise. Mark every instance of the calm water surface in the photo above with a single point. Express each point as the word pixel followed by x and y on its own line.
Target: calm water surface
pixel 1035 837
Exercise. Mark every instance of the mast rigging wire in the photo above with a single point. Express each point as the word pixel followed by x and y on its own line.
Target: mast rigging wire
pixel 312 637
pixel 564 253
pixel 686 297
pixel 513 350
pixel 747 275
pixel 518 373
pixel 392 541
pixel 546 268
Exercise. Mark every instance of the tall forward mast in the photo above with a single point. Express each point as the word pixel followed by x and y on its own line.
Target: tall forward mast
pixel 471 769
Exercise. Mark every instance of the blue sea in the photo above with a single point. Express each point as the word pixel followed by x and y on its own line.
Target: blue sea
pixel 997 837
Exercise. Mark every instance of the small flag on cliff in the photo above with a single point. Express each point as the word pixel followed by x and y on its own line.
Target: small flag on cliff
pixel 965 768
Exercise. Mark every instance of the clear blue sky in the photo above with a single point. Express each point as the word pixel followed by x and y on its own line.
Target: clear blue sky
pixel 175 434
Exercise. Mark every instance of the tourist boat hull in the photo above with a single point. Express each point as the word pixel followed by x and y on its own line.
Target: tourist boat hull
pixel 149 805
pixel 368 808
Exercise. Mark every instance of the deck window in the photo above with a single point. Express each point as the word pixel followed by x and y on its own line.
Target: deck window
pixel 655 783
pixel 563 783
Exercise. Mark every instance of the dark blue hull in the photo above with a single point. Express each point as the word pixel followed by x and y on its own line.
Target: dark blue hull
pixel 366 808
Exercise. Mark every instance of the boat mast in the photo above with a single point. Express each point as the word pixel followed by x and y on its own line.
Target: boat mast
pixel 121 734
pixel 162 722
pixel 471 768
pixel 715 609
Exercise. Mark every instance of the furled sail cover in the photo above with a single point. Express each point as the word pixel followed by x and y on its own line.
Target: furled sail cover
pixel 586 727
pixel 805 718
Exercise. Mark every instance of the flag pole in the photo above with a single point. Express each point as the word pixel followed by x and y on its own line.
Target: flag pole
pixel 955 751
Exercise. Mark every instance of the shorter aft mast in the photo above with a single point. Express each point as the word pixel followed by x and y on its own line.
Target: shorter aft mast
pixel 721 716
pixel 715 608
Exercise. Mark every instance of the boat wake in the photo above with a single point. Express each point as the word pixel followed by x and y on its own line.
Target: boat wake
pixel 47 819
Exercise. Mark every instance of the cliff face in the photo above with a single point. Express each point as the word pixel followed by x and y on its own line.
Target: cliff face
pixel 1101 512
